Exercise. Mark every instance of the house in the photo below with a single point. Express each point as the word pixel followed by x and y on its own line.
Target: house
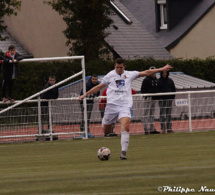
pixel 184 28
pixel 130 39
pixel 11 41
pixel 38 29
pixel 159 29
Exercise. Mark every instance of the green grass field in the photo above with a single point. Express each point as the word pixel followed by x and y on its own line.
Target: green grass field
pixel 72 167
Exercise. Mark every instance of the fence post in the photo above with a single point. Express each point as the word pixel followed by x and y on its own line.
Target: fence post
pixel 190 114
pixel 84 100
pixel 39 116
pixel 50 120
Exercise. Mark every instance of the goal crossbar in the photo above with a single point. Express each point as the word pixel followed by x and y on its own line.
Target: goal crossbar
pixel 53 58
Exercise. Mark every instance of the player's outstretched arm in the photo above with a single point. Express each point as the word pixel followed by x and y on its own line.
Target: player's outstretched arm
pixel 92 91
pixel 153 71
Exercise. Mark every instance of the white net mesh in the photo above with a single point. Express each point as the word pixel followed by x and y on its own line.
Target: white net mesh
pixel 21 123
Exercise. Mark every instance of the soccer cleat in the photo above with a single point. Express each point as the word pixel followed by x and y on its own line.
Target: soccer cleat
pixel 110 134
pixel 146 133
pixel 123 155
pixel 113 134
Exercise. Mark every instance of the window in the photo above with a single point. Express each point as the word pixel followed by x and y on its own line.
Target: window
pixel 163 14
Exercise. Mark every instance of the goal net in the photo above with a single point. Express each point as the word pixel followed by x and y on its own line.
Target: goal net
pixel 27 120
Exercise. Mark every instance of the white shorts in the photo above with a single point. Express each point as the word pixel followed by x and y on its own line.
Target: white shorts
pixel 113 112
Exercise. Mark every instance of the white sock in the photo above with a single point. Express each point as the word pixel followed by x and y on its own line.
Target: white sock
pixel 124 140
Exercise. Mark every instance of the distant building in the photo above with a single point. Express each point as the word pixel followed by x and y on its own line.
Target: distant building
pixel 159 29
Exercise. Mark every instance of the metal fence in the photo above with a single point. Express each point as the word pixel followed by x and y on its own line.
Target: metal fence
pixel 191 111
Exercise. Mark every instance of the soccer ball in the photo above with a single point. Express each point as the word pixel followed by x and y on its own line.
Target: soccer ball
pixel 103 153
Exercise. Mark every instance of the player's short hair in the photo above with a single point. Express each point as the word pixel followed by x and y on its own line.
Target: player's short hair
pixel 94 75
pixel 120 61
pixel 11 47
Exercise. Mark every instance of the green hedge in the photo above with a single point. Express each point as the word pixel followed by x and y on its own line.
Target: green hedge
pixel 203 69
pixel 33 76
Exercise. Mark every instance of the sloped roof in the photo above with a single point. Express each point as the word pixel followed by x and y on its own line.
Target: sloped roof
pixel 144 12
pixel 183 82
pixel 11 41
pixel 133 41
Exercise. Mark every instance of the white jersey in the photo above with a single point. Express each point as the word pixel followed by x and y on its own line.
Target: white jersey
pixel 119 87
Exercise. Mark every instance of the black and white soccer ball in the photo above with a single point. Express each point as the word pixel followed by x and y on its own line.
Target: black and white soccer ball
pixel 104 153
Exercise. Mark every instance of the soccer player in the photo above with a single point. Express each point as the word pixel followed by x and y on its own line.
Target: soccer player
pixel 119 99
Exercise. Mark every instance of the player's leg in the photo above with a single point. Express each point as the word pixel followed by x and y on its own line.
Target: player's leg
pixel 110 118
pixel 107 129
pixel 125 123
pixel 112 131
pixel 107 123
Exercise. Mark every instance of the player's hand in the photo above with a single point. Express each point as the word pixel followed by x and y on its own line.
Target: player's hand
pixel 167 67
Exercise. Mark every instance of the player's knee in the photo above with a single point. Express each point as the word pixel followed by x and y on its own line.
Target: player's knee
pixel 125 128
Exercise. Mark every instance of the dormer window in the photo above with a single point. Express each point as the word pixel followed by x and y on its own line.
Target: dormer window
pixel 162 9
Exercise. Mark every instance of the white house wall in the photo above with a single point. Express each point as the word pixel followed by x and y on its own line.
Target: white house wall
pixel 39 29
pixel 199 42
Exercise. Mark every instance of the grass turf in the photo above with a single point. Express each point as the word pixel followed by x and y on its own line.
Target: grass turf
pixel 72 167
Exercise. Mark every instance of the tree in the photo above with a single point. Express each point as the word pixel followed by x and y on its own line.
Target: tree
pixel 7 8
pixel 86 23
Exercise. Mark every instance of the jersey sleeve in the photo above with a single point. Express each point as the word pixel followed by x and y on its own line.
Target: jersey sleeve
pixel 134 75
pixel 105 80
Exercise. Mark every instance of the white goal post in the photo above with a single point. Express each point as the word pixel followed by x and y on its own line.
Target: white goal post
pixel 29 99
